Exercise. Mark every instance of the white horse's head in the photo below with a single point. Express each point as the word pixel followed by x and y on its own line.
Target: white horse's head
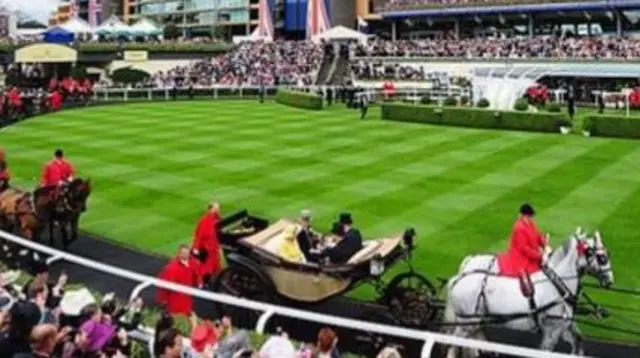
pixel 594 258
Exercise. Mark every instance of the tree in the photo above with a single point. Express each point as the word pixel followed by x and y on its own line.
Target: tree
pixel 171 31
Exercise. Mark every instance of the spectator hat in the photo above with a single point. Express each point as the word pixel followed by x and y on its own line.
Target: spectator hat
pixel 202 335
pixel 527 210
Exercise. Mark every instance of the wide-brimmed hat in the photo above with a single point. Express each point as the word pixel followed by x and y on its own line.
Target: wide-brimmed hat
pixel 73 302
pixel 202 335
pixel 345 218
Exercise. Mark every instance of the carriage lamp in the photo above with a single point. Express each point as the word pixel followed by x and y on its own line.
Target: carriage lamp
pixel 376 266
pixel 407 238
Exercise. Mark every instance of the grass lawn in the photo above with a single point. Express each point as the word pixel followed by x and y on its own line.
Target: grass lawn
pixel 155 166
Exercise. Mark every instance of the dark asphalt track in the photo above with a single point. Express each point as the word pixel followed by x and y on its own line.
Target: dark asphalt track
pixel 112 254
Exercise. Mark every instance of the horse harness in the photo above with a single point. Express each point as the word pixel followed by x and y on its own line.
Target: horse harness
pixel 565 297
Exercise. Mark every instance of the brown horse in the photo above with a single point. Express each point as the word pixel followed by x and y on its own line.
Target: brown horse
pixel 17 210
pixel 62 207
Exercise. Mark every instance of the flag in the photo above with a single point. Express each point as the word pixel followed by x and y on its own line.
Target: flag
pixel 265 21
pixel 363 26
pixel 95 8
pixel 317 19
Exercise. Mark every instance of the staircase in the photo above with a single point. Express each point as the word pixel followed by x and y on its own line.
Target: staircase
pixel 341 71
pixel 325 67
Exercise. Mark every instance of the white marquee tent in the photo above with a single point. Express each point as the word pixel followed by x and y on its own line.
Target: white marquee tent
pixel 340 33
pixel 77 25
pixel 113 27
pixel 146 27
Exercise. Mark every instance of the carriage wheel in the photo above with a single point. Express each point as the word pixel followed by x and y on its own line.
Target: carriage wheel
pixel 411 299
pixel 239 281
pixel 370 343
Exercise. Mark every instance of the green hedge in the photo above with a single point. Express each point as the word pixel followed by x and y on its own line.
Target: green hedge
pixel 475 118
pixel 299 99
pixel 612 126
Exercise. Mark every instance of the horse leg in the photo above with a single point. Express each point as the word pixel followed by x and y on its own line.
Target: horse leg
pixel 65 235
pixel 456 352
pixel 550 335
pixel 51 238
pixel 573 336
pixel 74 226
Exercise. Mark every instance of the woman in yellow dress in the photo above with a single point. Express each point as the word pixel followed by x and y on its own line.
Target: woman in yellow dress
pixel 289 248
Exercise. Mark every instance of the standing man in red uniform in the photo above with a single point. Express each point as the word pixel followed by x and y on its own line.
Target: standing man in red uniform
pixel 182 270
pixel 57 171
pixel 527 244
pixel 4 172
pixel 205 242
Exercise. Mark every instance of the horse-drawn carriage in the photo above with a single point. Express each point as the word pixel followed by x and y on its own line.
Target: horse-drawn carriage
pixel 256 271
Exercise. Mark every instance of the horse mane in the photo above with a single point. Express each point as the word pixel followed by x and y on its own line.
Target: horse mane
pixel 43 190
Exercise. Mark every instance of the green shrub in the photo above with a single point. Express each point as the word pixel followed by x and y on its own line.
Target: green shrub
pixel 299 99
pixel 483 103
pixel 554 107
pixel 521 105
pixel 613 126
pixel 426 99
pixel 450 101
pixel 464 100
pixel 129 75
pixel 472 117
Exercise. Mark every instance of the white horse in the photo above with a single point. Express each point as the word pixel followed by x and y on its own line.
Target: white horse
pixel 477 296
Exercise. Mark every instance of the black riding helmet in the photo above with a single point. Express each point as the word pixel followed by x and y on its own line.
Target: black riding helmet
pixel 527 210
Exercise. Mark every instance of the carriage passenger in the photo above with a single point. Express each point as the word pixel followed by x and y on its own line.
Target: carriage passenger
pixel 289 249
pixel 350 243
pixel 307 238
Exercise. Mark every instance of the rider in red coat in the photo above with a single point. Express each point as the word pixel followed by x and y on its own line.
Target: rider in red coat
pixel 182 270
pixel 525 252
pixel 57 171
pixel 205 242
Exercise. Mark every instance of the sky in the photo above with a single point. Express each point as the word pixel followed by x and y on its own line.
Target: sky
pixel 38 9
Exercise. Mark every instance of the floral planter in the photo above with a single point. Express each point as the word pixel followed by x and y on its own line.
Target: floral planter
pixel 586 133
pixel 565 130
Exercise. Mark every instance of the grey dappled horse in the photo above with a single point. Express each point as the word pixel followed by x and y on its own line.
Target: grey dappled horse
pixel 476 295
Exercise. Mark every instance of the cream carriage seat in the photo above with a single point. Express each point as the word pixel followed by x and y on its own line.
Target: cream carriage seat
pixel 272 237
pixel 374 247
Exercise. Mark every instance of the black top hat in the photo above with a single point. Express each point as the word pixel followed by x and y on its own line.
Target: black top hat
pixel 345 218
pixel 527 210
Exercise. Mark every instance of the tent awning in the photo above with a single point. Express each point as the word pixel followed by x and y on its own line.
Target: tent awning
pixel 77 25
pixel 113 27
pixel 338 33
pixel 146 27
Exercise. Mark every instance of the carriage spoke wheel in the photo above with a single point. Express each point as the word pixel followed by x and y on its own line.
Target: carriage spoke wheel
pixel 240 282
pixel 411 299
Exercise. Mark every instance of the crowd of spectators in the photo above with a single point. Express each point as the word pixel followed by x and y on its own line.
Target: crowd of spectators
pixel 250 64
pixel 387 5
pixel 42 319
pixel 588 48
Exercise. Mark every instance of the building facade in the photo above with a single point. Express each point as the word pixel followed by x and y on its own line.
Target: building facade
pixel 104 9
pixel 197 17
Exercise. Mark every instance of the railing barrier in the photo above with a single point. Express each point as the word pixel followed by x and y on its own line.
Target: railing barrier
pixel 429 338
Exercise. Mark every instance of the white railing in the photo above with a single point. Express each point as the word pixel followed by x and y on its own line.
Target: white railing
pixel 429 338
pixel 408 93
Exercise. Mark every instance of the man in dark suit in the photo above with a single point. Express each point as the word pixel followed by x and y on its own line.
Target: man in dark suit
pixel 349 245
pixel 307 238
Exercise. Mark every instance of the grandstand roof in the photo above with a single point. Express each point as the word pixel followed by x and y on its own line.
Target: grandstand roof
pixel 602 5
pixel 619 70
